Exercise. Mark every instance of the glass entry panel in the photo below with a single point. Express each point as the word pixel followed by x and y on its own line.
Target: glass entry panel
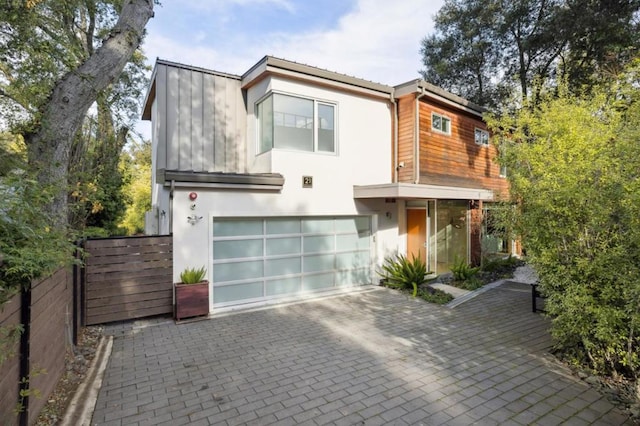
pixel 448 233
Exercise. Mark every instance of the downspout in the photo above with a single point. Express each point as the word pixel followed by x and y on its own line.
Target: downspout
pixel 173 185
pixel 416 138
pixel 396 166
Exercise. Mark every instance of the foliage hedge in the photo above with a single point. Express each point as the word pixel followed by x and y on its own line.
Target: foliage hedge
pixel 574 173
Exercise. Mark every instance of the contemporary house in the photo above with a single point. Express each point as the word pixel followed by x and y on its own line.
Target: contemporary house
pixel 291 179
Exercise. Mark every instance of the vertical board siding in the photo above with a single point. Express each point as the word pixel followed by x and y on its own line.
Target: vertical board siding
pixel 185 142
pixel 128 278
pixel 197 137
pixel 203 119
pixel 220 121
pixel 169 113
pixel 209 123
pixel 51 322
pixel 160 122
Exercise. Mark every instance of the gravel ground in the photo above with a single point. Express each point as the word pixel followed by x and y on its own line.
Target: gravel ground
pixel 77 363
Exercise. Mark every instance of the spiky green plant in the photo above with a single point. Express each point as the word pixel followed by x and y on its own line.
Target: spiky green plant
pixel 400 272
pixel 193 275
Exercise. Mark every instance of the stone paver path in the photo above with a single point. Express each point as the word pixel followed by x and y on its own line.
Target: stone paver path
pixel 370 358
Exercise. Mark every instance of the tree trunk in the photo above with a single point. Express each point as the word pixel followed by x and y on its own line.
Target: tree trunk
pixel 49 144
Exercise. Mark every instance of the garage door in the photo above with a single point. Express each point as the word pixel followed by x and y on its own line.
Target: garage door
pixel 262 259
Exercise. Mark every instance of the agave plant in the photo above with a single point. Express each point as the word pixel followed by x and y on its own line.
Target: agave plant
pixel 400 272
pixel 192 275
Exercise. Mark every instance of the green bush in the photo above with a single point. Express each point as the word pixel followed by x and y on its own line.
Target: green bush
pixel 462 271
pixel 399 272
pixel 574 170
pixel 434 295
pixel 193 275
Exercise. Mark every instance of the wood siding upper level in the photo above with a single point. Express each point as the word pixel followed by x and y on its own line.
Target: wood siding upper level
pixel 447 159
pixel 200 120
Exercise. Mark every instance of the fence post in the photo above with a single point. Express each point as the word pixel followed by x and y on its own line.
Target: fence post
pixel 23 384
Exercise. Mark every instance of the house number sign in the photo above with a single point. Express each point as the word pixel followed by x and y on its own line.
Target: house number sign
pixel 307 181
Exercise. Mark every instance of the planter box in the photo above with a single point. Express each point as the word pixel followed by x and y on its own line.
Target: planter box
pixel 192 300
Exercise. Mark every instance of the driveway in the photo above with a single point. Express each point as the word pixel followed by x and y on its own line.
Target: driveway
pixel 374 357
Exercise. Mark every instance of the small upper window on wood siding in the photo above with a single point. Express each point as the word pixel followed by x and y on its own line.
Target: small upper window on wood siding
pixel 482 137
pixel 440 123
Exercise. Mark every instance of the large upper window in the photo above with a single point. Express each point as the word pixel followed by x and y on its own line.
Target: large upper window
pixel 301 124
pixel 441 123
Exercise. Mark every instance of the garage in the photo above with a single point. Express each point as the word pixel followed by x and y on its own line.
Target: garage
pixel 260 259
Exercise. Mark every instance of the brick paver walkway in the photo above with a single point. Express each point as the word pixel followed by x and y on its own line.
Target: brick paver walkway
pixel 371 358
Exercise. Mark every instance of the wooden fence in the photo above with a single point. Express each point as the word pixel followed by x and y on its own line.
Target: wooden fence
pixel 127 278
pixel 47 318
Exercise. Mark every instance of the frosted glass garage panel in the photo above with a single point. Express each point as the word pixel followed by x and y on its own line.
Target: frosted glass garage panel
pixel 353 277
pixel 317 226
pixel 236 228
pixel 352 260
pixel 318 244
pixel 352 242
pixel 318 281
pixel 283 226
pixel 280 246
pixel 237 271
pixel 353 224
pixel 288 266
pixel 237 249
pixel 283 286
pixel 236 292
pixel 321 262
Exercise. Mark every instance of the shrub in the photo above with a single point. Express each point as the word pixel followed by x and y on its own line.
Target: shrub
pixel 192 275
pixel 400 272
pixel 434 295
pixel 574 167
pixel 462 271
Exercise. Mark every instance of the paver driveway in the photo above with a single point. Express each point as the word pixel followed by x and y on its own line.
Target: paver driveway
pixel 370 358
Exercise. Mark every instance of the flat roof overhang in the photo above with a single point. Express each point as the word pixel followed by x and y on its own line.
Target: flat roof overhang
pixel 220 180
pixel 417 191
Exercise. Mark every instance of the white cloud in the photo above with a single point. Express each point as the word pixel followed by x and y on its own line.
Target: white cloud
pixel 378 41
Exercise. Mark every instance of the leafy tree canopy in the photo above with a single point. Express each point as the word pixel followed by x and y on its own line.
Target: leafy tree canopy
pixel 494 52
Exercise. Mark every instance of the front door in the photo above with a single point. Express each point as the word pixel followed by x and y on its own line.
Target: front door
pixel 417 233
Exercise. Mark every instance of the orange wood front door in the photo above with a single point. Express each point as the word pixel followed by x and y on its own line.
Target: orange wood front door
pixel 417 233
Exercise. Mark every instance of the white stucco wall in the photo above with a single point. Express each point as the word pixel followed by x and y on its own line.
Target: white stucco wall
pixel 363 157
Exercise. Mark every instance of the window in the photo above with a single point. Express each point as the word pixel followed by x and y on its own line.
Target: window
pixel 503 171
pixel 441 123
pixel 301 124
pixel 482 137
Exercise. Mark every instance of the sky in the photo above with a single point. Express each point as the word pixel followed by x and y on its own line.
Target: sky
pixel 377 40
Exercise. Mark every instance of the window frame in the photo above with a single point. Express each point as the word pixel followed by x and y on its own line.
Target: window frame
pixel 441 117
pixel 482 132
pixel 317 102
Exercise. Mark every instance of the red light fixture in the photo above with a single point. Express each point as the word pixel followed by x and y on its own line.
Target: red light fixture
pixel 193 196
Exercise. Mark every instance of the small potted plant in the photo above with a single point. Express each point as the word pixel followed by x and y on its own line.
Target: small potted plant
pixel 192 294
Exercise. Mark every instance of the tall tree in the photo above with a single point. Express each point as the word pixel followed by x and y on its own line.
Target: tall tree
pixel 50 81
pixel 490 51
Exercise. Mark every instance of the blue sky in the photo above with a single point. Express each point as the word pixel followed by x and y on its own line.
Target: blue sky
pixel 378 40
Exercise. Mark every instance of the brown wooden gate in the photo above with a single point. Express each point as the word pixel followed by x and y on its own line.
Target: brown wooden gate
pixel 127 278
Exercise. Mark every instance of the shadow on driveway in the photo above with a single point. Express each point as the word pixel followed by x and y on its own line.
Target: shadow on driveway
pixel 374 357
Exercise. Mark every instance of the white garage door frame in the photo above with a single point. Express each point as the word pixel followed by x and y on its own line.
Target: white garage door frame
pixel 261 259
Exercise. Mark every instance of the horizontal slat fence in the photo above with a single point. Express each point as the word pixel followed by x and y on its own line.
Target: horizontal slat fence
pixel 127 278
pixel 51 322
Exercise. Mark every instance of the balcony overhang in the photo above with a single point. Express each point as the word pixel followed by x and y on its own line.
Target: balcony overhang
pixel 417 191
pixel 220 180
